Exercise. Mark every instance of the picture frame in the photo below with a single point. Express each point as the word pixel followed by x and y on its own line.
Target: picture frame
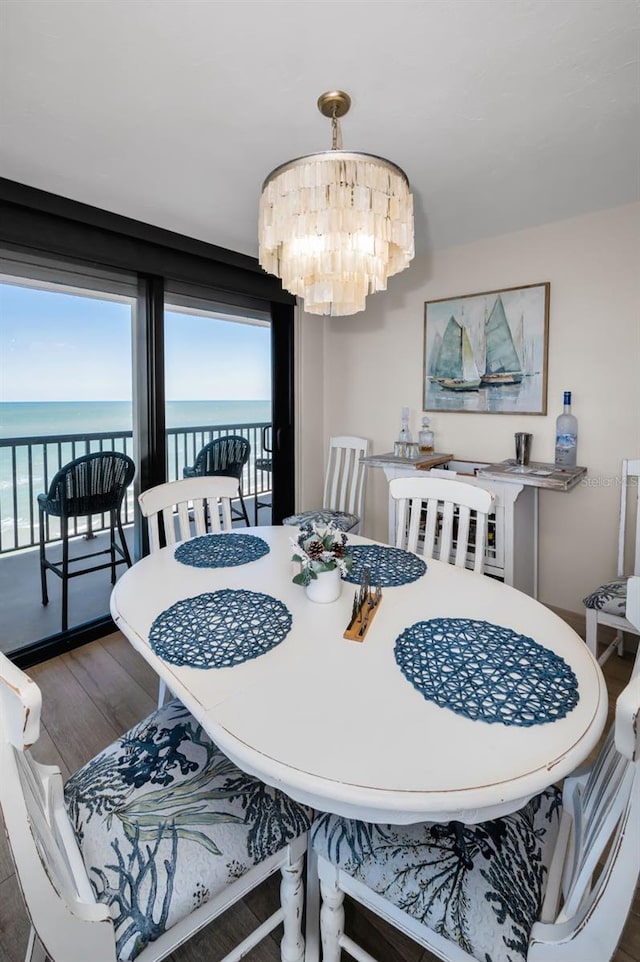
pixel 487 353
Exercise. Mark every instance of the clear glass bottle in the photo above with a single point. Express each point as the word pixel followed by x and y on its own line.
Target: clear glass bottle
pixel 405 434
pixel 401 447
pixel 425 437
pixel 566 436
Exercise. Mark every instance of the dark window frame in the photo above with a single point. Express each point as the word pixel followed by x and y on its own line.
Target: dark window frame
pixel 45 223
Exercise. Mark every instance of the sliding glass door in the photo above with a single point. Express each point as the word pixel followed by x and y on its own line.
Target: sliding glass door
pixel 218 377
pixel 65 392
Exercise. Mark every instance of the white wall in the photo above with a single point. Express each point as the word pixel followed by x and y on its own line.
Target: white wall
pixel 372 366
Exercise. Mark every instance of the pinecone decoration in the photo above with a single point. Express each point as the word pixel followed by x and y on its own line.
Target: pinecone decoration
pixel 315 550
pixel 339 550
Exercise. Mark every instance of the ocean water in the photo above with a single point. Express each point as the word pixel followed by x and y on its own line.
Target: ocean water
pixel 20 419
pixel 28 419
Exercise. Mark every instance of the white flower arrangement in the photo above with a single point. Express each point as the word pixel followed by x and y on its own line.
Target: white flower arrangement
pixel 320 548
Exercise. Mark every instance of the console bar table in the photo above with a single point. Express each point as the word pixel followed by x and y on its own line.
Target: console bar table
pixel 512 553
pixel 535 473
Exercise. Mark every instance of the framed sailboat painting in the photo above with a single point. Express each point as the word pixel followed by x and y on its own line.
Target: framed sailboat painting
pixel 487 353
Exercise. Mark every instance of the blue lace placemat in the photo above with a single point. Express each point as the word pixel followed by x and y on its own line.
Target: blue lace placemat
pixel 387 566
pixel 220 629
pixel 221 550
pixel 486 672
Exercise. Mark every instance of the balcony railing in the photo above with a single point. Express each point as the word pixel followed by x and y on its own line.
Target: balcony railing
pixel 27 466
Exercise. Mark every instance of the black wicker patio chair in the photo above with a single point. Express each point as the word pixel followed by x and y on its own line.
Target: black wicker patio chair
pixel 90 485
pixel 224 457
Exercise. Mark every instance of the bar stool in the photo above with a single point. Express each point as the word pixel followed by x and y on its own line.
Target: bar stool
pixel 93 484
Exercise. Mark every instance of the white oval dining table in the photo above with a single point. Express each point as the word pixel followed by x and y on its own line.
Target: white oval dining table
pixel 335 724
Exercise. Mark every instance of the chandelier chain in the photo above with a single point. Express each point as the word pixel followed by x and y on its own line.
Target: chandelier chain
pixel 336 132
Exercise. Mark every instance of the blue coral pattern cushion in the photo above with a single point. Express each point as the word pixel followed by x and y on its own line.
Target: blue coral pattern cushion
pixel 341 519
pixel 610 598
pixel 480 886
pixel 165 821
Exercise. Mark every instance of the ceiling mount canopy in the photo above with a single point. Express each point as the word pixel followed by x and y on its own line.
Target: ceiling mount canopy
pixel 335 225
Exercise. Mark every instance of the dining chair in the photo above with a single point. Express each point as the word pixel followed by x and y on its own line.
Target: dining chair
pixel 633 600
pixel 90 485
pixel 344 487
pixel 146 844
pixel 442 518
pixel 607 605
pixel 206 499
pixel 225 456
pixel 553 882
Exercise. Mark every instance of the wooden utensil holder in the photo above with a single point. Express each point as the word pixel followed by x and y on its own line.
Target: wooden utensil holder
pixel 366 614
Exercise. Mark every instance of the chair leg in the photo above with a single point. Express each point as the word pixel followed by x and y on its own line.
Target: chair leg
pixel 617 644
pixel 312 908
pixel 123 540
pixel 112 545
pixel 292 899
pixel 43 570
pixel 65 572
pixel 591 621
pixel 35 950
pixel 243 508
pixel 331 921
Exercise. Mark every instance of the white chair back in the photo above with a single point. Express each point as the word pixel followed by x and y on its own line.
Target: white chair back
pixel 629 527
pixel 344 480
pixel 49 866
pixel 585 906
pixel 204 498
pixel 177 501
pixel 442 518
pixel 633 601
pixel 628 564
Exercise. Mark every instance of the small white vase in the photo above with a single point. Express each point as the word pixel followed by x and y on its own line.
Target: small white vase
pixel 325 587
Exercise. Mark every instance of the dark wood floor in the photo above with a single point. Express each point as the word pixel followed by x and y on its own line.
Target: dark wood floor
pixel 95 693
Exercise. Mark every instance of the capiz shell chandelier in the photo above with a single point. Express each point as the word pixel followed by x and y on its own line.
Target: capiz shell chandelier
pixel 335 225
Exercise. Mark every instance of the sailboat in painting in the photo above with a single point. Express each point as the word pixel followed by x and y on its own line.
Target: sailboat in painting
pixel 502 364
pixel 454 366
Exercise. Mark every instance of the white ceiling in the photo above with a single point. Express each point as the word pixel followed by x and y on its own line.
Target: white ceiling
pixel 505 114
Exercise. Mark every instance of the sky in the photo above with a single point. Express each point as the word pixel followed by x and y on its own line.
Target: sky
pixel 67 347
